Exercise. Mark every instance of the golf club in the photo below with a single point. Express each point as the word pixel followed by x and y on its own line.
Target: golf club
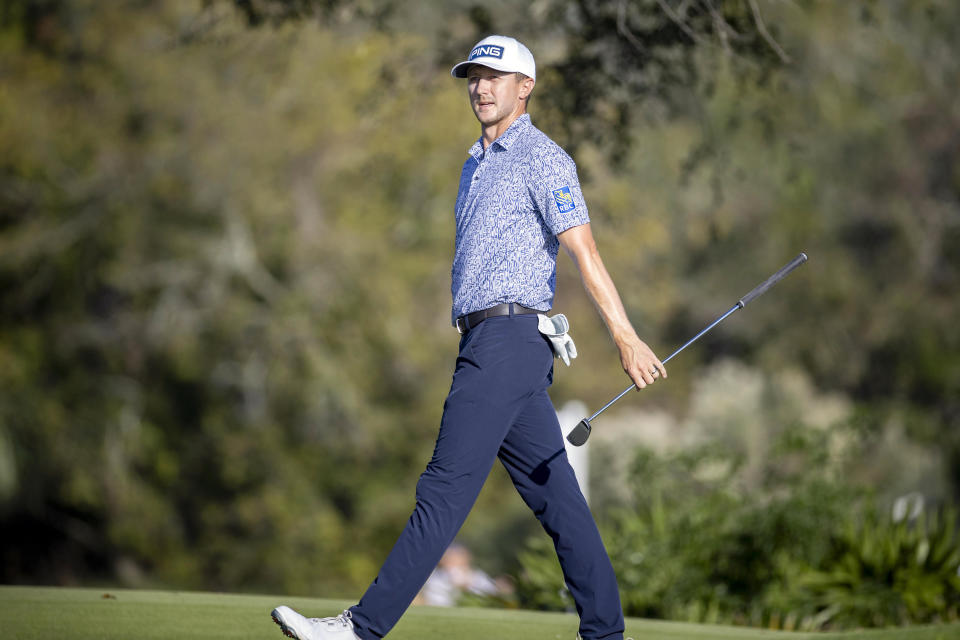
pixel 579 434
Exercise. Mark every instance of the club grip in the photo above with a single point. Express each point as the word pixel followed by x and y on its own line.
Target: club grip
pixel 761 288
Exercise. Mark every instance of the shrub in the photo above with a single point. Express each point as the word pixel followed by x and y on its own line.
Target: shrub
pixel 799 550
pixel 883 572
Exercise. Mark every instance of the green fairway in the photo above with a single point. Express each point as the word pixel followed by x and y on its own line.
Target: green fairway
pixel 28 613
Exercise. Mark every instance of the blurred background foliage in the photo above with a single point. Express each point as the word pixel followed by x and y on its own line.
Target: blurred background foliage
pixel 767 505
pixel 225 237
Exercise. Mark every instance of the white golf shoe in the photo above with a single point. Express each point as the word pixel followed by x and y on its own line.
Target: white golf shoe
pixel 298 627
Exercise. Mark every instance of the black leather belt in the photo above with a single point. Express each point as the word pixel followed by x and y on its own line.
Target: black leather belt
pixel 469 321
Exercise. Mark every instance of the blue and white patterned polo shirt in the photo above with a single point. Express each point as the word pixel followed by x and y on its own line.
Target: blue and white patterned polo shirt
pixel 514 198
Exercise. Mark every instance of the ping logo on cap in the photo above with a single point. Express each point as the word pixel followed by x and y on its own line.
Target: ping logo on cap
pixel 486 51
pixel 564 200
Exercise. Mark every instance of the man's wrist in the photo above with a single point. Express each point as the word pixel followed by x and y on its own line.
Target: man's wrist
pixel 624 338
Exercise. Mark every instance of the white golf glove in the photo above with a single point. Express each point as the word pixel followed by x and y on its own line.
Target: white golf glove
pixel 556 329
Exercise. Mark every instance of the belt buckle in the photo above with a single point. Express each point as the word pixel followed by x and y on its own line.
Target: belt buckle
pixel 462 329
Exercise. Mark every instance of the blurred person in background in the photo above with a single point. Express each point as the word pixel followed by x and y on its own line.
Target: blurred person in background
pixel 455 576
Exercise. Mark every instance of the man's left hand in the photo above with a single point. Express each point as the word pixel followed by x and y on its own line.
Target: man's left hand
pixel 639 362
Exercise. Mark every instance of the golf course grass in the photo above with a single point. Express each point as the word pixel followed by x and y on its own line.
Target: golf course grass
pixel 42 613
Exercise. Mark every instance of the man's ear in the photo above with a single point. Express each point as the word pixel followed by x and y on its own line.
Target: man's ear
pixel 527 88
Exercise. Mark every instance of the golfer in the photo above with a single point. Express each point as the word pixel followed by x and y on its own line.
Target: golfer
pixel 519 201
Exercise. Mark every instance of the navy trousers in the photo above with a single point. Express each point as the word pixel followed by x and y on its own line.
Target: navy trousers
pixel 498 407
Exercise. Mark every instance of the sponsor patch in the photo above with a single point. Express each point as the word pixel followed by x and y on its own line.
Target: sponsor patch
pixel 486 51
pixel 564 200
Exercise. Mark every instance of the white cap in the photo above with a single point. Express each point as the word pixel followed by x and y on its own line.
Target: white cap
pixel 501 53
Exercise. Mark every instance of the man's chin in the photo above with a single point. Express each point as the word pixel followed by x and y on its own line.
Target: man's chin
pixel 486 118
pixel 485 114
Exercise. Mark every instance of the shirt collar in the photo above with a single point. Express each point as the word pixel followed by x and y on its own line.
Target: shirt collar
pixel 514 131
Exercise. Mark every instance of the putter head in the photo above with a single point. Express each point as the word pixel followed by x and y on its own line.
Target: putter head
pixel 579 434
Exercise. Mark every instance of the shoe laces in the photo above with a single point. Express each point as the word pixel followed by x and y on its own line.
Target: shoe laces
pixel 342 621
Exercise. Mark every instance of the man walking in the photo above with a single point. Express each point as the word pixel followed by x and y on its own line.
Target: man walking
pixel 519 201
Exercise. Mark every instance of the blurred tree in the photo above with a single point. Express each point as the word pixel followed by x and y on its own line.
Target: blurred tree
pixel 600 58
pixel 205 342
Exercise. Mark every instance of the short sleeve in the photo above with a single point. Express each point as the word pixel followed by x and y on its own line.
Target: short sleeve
pixel 555 188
